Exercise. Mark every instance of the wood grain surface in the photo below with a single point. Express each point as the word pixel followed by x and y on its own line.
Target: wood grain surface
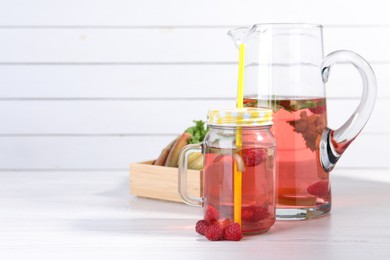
pixel 90 215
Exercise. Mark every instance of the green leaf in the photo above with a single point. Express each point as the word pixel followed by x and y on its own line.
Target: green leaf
pixel 295 105
pixel 197 132
pixel 285 104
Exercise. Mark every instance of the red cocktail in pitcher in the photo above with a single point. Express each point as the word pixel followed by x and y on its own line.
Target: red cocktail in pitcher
pixel 298 127
pixel 285 70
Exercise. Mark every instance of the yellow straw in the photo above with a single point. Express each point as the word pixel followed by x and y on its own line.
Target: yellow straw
pixel 240 103
pixel 240 90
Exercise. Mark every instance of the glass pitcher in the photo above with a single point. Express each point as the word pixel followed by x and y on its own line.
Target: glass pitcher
pixel 285 70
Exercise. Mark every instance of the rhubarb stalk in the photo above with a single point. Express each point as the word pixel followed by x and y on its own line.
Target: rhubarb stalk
pixel 164 154
pixel 173 157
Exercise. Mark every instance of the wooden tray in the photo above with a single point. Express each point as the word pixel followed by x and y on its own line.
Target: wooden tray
pixel 158 182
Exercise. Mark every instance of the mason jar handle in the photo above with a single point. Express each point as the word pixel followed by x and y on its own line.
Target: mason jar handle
pixel 334 142
pixel 183 173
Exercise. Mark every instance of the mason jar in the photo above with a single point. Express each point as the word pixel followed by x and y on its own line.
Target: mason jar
pixel 239 169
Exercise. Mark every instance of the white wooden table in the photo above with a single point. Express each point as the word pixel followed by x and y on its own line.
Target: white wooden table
pixel 90 215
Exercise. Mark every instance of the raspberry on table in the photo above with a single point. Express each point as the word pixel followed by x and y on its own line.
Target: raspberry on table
pixel 211 214
pixel 224 222
pixel 232 232
pixel 221 229
pixel 202 226
pixel 319 189
pixel 253 157
pixel 214 232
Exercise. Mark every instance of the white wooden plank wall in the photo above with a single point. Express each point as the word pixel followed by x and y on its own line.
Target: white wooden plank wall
pixel 95 85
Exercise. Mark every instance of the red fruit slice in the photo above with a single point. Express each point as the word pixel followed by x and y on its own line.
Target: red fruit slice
pixel 253 157
pixel 319 189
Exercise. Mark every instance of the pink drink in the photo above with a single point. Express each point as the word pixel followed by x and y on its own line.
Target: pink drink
pixel 298 126
pixel 258 205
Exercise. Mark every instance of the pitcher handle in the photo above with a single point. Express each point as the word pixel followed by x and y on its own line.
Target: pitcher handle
pixel 334 142
pixel 183 172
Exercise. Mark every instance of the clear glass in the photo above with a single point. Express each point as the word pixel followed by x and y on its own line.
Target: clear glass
pixel 285 70
pixel 255 158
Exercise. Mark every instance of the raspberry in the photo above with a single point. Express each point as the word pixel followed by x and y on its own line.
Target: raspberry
pixel 254 213
pixel 214 232
pixel 319 189
pixel 318 109
pixel 224 222
pixel 253 157
pixel 219 229
pixel 232 232
pixel 247 213
pixel 202 226
pixel 260 214
pixel 211 214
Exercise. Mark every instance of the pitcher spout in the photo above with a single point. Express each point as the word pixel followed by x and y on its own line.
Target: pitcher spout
pixel 239 35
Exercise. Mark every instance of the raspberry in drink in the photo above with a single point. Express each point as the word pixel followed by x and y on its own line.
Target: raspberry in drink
pixel 257 207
